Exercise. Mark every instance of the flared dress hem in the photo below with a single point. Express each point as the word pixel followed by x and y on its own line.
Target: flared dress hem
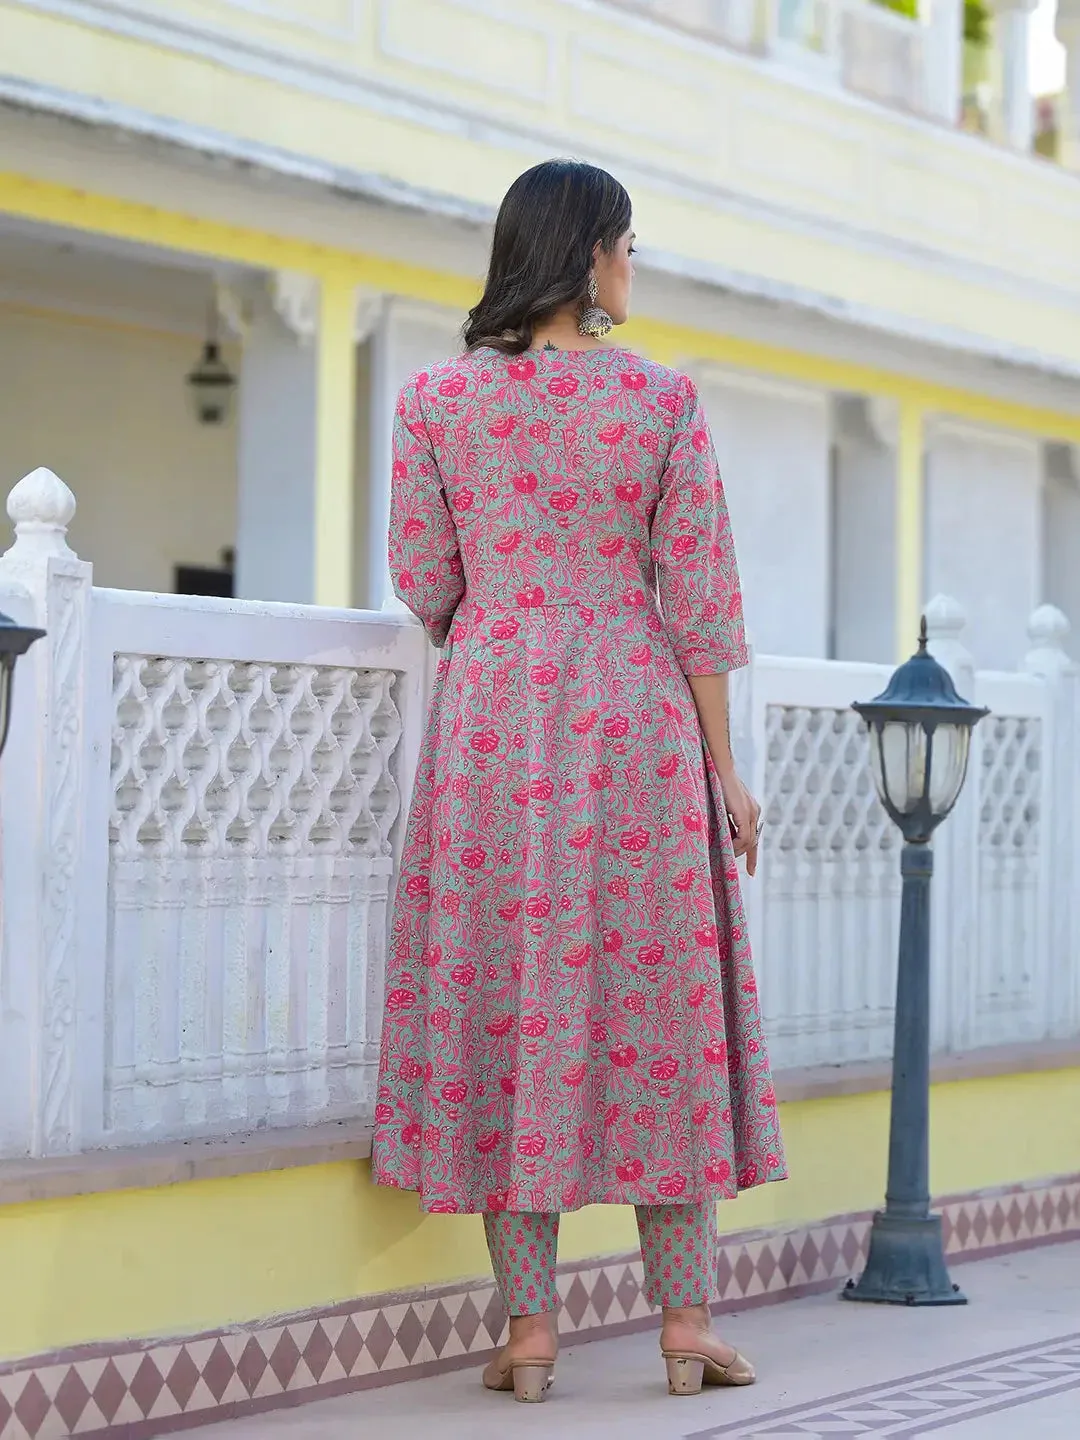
pixel 544 1203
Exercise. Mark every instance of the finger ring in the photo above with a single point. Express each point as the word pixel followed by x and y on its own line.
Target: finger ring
pixel 760 827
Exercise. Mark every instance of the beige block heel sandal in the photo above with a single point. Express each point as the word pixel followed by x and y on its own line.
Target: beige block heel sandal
pixel 530 1380
pixel 687 1373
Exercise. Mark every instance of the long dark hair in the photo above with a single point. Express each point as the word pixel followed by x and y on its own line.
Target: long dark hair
pixel 548 225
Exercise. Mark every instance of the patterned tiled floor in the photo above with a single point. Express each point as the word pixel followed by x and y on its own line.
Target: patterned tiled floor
pixel 1006 1367
pixel 980 1388
pixel 135 1391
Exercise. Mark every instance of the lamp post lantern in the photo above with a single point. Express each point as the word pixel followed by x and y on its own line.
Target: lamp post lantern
pixel 920 738
pixel 15 640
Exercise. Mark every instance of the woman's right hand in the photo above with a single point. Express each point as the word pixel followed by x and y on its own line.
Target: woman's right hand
pixel 744 813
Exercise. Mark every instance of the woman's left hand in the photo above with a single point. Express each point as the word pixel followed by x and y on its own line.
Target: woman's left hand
pixel 744 813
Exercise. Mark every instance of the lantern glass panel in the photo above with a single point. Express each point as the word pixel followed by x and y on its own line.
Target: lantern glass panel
pixel 7 671
pixel 900 764
pixel 948 766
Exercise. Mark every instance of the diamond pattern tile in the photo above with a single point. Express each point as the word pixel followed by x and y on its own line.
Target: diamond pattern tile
pixel 602 1296
pixel 493 1320
pixel 33 1406
pixel 467 1322
pixel 71 1398
pixel 182 1379
pixel 147 1385
pixel 285 1359
pixel 439 1328
pixel 410 1333
pixel 628 1292
pixel 150 1383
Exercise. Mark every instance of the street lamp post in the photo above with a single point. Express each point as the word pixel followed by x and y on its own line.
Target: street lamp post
pixel 15 640
pixel 920 737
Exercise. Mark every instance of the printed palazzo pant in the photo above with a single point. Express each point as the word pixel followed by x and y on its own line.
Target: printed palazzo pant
pixel 678 1250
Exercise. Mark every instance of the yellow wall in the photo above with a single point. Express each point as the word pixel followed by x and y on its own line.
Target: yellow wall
pixel 197 1256
pixel 843 197
pixel 103 405
pixel 340 270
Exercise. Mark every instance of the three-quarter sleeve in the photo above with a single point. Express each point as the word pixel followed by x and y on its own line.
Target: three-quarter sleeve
pixel 425 561
pixel 694 554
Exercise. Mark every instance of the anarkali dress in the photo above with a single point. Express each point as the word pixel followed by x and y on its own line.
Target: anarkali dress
pixel 571 1015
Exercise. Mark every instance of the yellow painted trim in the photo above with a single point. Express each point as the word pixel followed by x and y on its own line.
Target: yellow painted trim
pixel 129 220
pixel 52 204
pixel 910 499
pixel 677 345
pixel 338 270
pixel 198 1256
pixel 335 428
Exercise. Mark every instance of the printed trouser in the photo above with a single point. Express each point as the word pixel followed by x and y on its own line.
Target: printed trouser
pixel 678 1251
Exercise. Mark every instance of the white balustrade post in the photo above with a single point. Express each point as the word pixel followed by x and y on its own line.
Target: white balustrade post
pixel 1018 106
pixel 1068 32
pixel 43 807
pixel 954 912
pixel 1059 857
pixel 944 60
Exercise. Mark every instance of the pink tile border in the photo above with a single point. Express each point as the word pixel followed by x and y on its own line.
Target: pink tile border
pixel 134 1390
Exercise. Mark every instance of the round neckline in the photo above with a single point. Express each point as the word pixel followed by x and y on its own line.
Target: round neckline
pixel 558 353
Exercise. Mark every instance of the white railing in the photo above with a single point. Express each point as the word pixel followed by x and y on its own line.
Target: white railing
pixel 726 22
pixel 883 54
pixel 1007 896
pixel 829 868
pixel 199 831
pixel 871 50
pixel 202 800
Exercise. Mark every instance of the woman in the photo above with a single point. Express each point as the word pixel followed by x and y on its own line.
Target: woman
pixel 571 1015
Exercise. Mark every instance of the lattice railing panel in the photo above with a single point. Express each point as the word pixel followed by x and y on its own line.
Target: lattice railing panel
pixel 1009 990
pixel 830 869
pixel 250 862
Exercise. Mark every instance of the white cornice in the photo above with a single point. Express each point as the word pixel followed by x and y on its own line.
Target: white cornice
pixel 947 427
pixel 749 382
pixel 35 98
pixel 316 76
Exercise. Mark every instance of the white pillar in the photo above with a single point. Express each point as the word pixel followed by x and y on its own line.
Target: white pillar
pixel 1068 32
pixel 1059 855
pixel 1013 29
pixel 275 540
pixel 295 542
pixel 863 600
pixel 1061 535
pixel 407 337
pixel 774 439
pixel 944 60
pixel 984 502
pixel 955 907
pixel 46 1014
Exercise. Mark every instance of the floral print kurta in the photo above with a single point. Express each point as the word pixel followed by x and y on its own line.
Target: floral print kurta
pixel 571 1014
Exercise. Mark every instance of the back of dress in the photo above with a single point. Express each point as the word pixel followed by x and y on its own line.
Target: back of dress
pixel 568 934
pixel 559 479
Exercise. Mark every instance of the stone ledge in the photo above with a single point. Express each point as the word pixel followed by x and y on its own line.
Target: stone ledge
pixel 145 1167
pixel 818 1082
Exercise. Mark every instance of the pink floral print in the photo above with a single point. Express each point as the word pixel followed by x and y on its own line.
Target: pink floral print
pixel 679 1250
pixel 571 1014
